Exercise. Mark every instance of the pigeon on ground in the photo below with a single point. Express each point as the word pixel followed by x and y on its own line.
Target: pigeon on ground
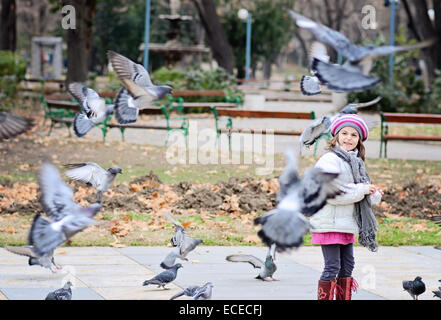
pixel 138 93
pixel 65 217
pixel 93 108
pixel 12 125
pixel 93 174
pixel 196 292
pixel 354 73
pixel 64 293
pixel 322 125
pixel 285 225
pixel 46 261
pixel 414 287
pixel 182 242
pixel 267 268
pixel 437 293
pixel 164 277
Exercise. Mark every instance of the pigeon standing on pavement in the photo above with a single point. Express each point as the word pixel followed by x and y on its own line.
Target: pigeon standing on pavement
pixel 12 125
pixel 64 293
pixel 65 217
pixel 321 126
pixel 93 108
pixel 285 225
pixel 46 261
pixel 414 287
pixel 437 293
pixel 354 73
pixel 267 268
pixel 138 93
pixel 94 175
pixel 196 292
pixel 164 277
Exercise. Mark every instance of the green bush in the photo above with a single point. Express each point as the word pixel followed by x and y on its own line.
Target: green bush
pixel 408 92
pixel 12 71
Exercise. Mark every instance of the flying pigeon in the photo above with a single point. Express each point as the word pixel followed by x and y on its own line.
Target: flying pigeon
pixel 196 292
pixel 414 287
pixel 138 93
pixel 12 125
pixel 65 217
pixel 354 73
pixel 182 242
pixel 46 261
pixel 164 277
pixel 267 268
pixel 285 225
pixel 94 175
pixel 322 125
pixel 64 293
pixel 310 85
pixel 93 108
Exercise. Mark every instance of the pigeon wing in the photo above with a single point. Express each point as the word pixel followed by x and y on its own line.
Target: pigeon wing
pixel 12 125
pixel 89 172
pixel 254 261
pixel 341 78
pixel 314 131
pixel 127 69
pixel 353 107
pixel 309 86
pixel 289 175
pixel 22 250
pixel 188 244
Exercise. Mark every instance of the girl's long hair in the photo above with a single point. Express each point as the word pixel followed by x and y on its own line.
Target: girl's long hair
pixel 360 146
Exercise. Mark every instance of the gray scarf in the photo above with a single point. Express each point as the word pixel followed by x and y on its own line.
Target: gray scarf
pixel 365 218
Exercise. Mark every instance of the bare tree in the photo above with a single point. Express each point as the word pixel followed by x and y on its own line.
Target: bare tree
pixel 8 25
pixel 215 34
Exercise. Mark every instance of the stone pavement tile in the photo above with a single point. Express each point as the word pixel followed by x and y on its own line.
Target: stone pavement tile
pixel 41 293
pixel 70 259
pixel 138 293
pixel 34 277
pixel 428 251
pixel 87 251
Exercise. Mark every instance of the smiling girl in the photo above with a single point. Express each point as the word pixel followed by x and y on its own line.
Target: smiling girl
pixel 335 225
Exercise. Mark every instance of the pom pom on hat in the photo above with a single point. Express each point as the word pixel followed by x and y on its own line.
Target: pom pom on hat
pixel 350 120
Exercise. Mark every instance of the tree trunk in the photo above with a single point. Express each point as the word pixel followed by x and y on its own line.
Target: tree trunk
pixel 78 40
pixel 215 34
pixel 8 26
pixel 424 29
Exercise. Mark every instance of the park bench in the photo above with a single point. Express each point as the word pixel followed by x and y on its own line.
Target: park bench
pixel 422 118
pixel 62 111
pixel 230 113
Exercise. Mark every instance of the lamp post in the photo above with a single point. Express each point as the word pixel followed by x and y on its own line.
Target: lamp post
pixel 147 34
pixel 392 4
pixel 245 15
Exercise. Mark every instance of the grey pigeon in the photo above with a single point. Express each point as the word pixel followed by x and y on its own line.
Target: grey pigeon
pixel 138 93
pixel 12 125
pixel 94 175
pixel 46 261
pixel 354 73
pixel 64 293
pixel 65 217
pixel 183 243
pixel 322 125
pixel 267 268
pixel 437 293
pixel 414 287
pixel 285 225
pixel 310 85
pixel 93 108
pixel 164 277
pixel 196 292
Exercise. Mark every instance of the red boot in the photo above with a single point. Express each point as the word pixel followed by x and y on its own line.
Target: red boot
pixel 345 286
pixel 326 290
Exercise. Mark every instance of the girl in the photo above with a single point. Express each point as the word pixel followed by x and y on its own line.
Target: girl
pixel 336 223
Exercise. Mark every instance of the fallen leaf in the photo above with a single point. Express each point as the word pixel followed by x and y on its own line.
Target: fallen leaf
pixel 252 239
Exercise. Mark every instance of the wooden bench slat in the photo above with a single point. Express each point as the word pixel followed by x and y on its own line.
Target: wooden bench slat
pixel 262 131
pixel 264 114
pixel 405 137
pixel 412 118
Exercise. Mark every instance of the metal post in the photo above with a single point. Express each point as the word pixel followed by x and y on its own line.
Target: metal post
pixel 147 34
pixel 248 48
pixel 392 40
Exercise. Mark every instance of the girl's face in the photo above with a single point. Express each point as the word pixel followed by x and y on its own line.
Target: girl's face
pixel 348 138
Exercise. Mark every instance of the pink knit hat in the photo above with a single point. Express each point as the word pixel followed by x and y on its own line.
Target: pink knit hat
pixel 350 120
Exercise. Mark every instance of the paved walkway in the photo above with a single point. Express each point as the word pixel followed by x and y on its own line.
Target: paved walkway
pixel 118 273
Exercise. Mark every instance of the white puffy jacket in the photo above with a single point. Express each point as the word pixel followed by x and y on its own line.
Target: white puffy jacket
pixel 337 214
